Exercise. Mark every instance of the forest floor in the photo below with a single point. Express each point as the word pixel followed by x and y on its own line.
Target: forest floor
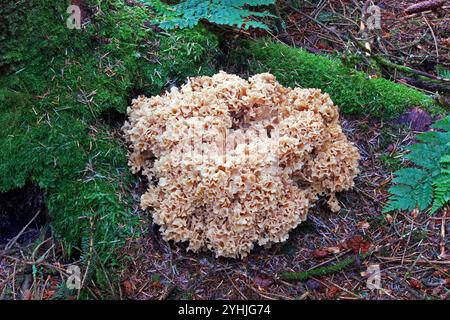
pixel 410 250
pixel 420 40
pixel 407 249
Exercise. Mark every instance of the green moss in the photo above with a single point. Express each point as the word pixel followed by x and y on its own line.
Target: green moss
pixel 321 271
pixel 156 278
pixel 419 235
pixel 54 85
pixel 352 90
pixel 391 162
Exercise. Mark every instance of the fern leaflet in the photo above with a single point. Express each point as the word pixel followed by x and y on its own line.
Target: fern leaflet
pixel 429 182
pixel 188 13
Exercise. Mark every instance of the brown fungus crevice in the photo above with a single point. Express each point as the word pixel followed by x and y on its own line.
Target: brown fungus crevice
pixel 238 162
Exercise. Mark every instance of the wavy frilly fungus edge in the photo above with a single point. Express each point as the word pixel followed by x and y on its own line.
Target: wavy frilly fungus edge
pixel 237 162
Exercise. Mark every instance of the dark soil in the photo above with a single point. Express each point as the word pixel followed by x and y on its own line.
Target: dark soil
pixel 17 208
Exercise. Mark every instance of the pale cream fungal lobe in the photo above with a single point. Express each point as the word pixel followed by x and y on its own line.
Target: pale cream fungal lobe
pixel 237 162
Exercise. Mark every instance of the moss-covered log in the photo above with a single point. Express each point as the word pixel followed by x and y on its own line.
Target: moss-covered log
pixel 56 83
pixel 354 91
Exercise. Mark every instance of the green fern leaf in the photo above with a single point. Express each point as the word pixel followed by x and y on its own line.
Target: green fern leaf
pixel 429 182
pixel 443 124
pixel 442 185
pixel 426 155
pixel 188 13
pixel 413 188
pixel 435 137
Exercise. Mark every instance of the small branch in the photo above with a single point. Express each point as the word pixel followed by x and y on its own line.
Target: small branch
pixel 416 261
pixel 443 100
pixel 278 20
pixel 407 70
pixel 14 240
pixel 405 284
pixel 318 22
pixel 443 255
pixel 425 6
pixel 434 36
pixel 430 87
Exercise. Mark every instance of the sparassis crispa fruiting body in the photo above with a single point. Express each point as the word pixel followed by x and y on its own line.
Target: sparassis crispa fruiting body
pixel 237 162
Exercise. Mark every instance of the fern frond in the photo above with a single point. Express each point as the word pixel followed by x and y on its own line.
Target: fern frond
pixel 443 124
pixel 442 185
pixel 413 188
pixel 434 137
pixel 426 155
pixel 241 3
pixel 188 13
pixel 429 182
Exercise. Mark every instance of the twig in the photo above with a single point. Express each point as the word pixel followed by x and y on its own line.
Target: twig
pixel 406 285
pixel 337 286
pixel 424 6
pixel 407 242
pixel 318 22
pixel 363 28
pixel 14 240
pixel 36 263
pixel 391 65
pixel 329 260
pixel 443 255
pixel 167 293
pixel 419 261
pixel 237 289
pixel 265 295
pixel 429 87
pixel 434 36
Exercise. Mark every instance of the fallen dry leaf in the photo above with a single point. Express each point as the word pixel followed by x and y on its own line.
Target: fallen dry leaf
pixel 446 42
pixel 320 253
pixel 358 245
pixel 331 292
pixel 389 219
pixel 127 287
pixel 48 294
pixel 262 281
pixel 363 225
pixel 324 252
pixel 415 283
pixel 334 250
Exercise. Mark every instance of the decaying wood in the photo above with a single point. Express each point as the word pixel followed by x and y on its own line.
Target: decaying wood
pixel 425 6
pixel 428 85
pixel 443 100
pixel 417 78
pixel 417 119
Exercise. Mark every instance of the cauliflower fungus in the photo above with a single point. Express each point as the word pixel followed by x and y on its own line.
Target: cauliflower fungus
pixel 237 162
